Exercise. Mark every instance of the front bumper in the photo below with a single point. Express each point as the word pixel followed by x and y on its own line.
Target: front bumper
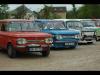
pixel 36 48
pixel 87 39
pixel 64 44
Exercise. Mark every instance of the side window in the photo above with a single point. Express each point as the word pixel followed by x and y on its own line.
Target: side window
pixel 40 25
pixel 0 26
pixel 98 23
pixel 43 26
pixel 3 27
pixel 76 25
pixel 69 24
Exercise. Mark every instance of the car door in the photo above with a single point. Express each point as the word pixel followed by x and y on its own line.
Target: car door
pixel 2 37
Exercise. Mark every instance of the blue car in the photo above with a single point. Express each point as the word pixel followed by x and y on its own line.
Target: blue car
pixel 62 37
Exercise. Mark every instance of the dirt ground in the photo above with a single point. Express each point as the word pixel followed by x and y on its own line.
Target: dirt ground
pixel 85 57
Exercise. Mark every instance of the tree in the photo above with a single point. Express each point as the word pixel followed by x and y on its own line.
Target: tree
pixel 69 15
pixel 74 11
pixel 21 12
pixel 36 14
pixel 89 11
pixel 4 11
pixel 47 13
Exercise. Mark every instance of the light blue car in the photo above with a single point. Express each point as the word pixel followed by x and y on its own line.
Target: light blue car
pixel 62 36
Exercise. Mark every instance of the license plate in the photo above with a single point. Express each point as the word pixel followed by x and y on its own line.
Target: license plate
pixel 69 43
pixel 35 49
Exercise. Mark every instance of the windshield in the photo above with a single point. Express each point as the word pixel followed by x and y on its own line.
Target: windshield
pixel 22 26
pixel 74 25
pixel 54 25
pixel 97 23
pixel 88 23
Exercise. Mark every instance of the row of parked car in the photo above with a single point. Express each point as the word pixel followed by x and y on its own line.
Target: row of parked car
pixel 21 36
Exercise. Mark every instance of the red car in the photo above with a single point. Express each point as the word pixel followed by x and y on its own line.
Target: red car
pixel 20 35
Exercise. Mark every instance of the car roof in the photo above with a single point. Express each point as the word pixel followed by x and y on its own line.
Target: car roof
pixel 96 19
pixel 64 20
pixel 67 19
pixel 45 20
pixel 15 20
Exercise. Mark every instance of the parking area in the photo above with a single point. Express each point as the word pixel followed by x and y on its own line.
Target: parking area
pixel 85 57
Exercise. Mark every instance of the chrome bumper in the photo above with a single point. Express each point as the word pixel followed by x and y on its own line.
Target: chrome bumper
pixel 30 45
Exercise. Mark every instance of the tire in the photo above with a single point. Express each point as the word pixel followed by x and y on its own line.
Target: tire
pixel 74 46
pixel 46 53
pixel 96 38
pixel 11 51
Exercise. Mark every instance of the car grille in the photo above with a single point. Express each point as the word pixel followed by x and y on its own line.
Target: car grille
pixel 65 36
pixel 88 33
pixel 36 41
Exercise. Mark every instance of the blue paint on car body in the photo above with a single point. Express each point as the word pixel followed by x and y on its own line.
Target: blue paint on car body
pixel 67 38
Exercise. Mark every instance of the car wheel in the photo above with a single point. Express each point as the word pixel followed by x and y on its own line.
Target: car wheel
pixel 73 47
pixel 11 51
pixel 45 53
pixel 97 38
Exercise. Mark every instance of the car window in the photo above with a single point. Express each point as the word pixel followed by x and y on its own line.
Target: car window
pixel 97 23
pixel 0 26
pixel 88 23
pixel 70 24
pixel 78 25
pixel 74 25
pixel 37 26
pixel 22 26
pixel 54 25
pixel 13 27
pixel 3 27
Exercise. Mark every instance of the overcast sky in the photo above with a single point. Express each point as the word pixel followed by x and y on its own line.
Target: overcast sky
pixel 37 7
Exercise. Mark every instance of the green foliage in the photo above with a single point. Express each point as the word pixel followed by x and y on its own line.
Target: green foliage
pixel 73 13
pixel 46 13
pixel 36 14
pixel 4 11
pixel 86 11
pixel 21 12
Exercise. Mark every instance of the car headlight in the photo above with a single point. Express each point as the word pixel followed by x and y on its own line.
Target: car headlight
pixel 59 37
pixel 21 41
pixel 77 36
pixel 48 40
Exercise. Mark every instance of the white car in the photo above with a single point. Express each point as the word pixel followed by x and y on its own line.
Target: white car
pixel 87 34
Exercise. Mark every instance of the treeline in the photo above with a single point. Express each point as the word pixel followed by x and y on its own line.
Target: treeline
pixel 86 11
pixel 4 11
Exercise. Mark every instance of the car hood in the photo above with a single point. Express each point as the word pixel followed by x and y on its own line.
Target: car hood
pixel 68 32
pixel 26 34
pixel 75 30
pixel 89 28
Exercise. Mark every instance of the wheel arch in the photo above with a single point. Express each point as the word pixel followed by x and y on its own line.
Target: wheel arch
pixel 9 43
